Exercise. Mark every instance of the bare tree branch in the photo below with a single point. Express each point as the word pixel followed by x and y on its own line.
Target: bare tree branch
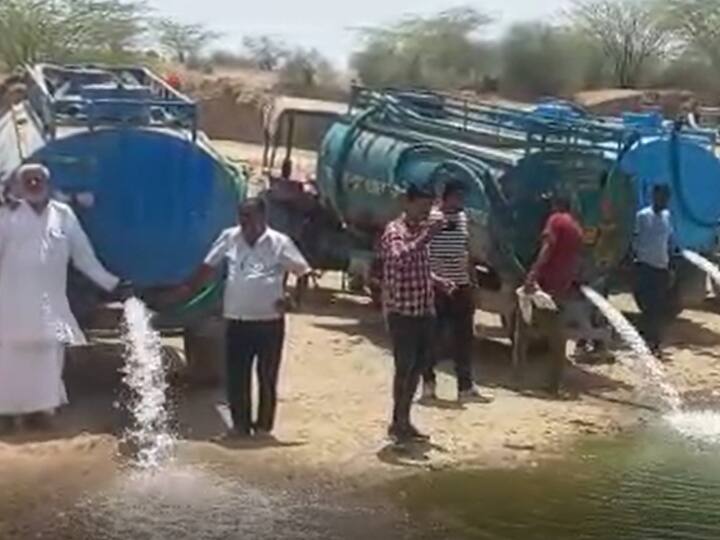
pixel 629 33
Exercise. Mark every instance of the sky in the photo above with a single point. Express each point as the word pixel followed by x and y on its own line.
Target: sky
pixel 327 24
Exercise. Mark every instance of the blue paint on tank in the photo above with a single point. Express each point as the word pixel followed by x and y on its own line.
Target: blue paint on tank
pixel 162 195
pixel 693 174
pixel 160 199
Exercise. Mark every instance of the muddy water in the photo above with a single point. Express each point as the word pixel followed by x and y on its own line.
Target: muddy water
pixel 653 486
pixel 658 484
pixel 192 498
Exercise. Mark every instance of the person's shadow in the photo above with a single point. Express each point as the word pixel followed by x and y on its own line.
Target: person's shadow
pixel 255 443
pixel 409 455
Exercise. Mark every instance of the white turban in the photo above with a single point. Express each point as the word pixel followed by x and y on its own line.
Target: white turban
pixel 17 188
pixel 32 169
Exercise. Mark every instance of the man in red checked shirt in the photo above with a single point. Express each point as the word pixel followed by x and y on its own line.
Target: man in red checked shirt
pixel 408 290
pixel 556 272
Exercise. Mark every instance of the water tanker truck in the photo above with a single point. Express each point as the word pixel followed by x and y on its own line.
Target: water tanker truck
pixel 644 146
pixel 367 160
pixel 160 193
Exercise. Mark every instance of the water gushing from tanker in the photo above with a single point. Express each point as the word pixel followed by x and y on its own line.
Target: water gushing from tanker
pixel 699 425
pixel 703 264
pixel 145 376
pixel 644 362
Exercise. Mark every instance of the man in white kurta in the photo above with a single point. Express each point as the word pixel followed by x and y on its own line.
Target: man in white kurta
pixel 38 238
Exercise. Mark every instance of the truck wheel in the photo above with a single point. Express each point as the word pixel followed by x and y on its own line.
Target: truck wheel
pixel 204 346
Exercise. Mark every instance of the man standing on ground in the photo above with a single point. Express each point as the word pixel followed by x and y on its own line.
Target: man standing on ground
pixel 455 310
pixel 38 237
pixel 254 305
pixel 652 245
pixel 555 271
pixel 409 302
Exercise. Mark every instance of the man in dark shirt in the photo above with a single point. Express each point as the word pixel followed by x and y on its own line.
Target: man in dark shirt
pixel 555 272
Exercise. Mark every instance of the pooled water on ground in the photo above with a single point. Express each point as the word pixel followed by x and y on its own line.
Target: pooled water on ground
pixel 655 485
pixel 642 361
pixel 145 376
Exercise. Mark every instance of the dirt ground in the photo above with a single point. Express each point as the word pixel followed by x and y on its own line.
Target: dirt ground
pixel 335 402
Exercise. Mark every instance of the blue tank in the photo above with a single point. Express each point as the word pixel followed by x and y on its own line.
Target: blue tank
pixel 692 171
pixel 664 153
pixel 364 168
pixel 161 194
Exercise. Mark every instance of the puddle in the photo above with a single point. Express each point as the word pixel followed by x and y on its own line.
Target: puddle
pixel 658 485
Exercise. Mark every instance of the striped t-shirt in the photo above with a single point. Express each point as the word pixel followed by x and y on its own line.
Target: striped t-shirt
pixel 449 250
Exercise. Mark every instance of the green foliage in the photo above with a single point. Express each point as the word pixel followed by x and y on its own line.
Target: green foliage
pixel 437 51
pixel 184 41
pixel 696 23
pixel 68 30
pixel 306 69
pixel 267 52
pixel 538 59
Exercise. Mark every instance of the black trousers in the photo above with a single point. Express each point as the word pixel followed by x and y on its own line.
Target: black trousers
pixel 248 341
pixel 652 290
pixel 455 314
pixel 412 343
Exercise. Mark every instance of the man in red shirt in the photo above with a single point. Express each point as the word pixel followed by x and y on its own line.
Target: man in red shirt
pixel 555 271
pixel 409 302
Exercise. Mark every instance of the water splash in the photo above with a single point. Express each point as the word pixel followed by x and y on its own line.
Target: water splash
pixel 145 377
pixel 644 362
pixel 703 264
pixel 700 426
pixel 182 503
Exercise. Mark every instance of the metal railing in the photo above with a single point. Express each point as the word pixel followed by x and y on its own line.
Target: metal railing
pixel 497 125
pixel 166 108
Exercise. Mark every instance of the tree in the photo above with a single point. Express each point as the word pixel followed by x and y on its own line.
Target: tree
pixel 267 52
pixel 629 32
pixel 440 50
pixel 697 24
pixel 540 60
pixel 184 41
pixel 25 31
pixel 305 69
pixel 65 30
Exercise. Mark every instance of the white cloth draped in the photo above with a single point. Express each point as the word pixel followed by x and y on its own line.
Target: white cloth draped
pixel 35 317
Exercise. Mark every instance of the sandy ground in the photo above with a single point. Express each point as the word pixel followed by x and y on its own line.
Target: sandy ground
pixel 335 402
pixel 251 155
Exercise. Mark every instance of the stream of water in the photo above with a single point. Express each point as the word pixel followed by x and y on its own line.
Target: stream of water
pixel 148 436
pixel 703 264
pixel 642 359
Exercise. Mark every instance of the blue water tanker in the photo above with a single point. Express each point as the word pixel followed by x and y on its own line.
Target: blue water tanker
pixel 369 158
pixel 161 193
pixel 645 146
pixel 659 151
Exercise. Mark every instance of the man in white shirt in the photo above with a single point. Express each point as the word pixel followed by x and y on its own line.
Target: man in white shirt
pixel 258 259
pixel 38 238
pixel 652 247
